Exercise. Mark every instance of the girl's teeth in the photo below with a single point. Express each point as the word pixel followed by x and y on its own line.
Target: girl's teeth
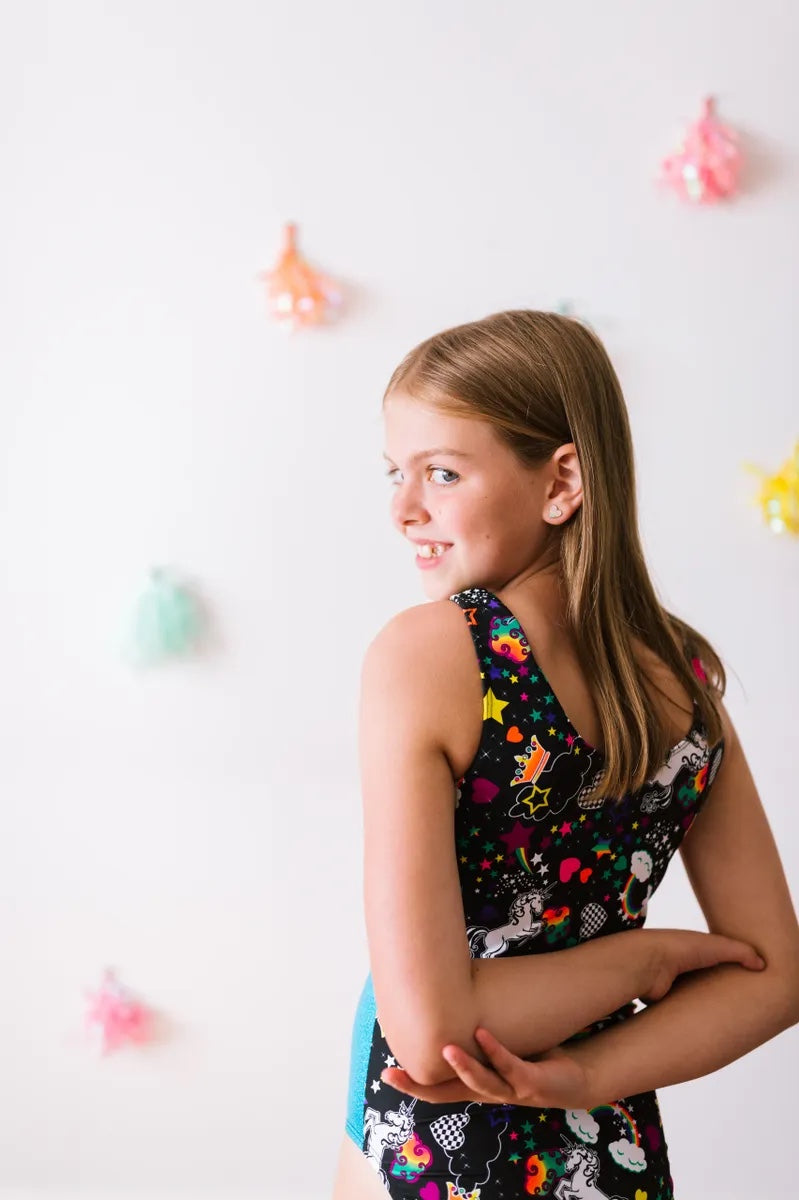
pixel 431 551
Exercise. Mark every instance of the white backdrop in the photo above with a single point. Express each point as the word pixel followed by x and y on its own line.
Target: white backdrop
pixel 198 827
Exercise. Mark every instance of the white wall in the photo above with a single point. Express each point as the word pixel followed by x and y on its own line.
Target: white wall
pixel 198 827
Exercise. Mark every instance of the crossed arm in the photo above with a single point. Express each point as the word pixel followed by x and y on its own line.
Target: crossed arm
pixel 711 1016
pixel 429 992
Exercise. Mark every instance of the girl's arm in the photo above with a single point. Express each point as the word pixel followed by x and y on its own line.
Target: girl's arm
pixel 720 1014
pixel 428 990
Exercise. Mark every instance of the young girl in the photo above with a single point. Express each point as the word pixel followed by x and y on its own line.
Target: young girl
pixel 536 742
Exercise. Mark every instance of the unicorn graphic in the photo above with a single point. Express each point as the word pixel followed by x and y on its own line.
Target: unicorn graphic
pixel 387 1132
pixel 693 751
pixel 523 922
pixel 583 1162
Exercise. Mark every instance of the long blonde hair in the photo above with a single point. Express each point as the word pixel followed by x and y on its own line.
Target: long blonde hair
pixel 543 380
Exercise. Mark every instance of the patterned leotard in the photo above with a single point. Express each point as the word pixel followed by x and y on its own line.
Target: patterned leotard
pixel 543 864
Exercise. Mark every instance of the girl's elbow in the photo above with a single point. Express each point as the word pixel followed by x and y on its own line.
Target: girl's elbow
pixel 425 1062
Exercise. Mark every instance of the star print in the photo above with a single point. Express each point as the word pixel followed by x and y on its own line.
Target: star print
pixel 516 838
pixel 375 1085
pixel 492 707
pixel 566 827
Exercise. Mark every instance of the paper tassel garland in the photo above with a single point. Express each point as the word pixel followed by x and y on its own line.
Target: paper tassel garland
pixel 115 1016
pixel 296 294
pixel 167 622
pixel 705 167
pixel 778 496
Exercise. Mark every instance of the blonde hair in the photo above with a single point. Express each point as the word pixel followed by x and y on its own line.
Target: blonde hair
pixel 543 380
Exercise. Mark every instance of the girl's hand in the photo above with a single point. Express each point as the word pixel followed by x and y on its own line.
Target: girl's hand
pixel 555 1079
pixel 681 950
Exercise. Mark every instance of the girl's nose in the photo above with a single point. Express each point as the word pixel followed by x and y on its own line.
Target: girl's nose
pixel 407 507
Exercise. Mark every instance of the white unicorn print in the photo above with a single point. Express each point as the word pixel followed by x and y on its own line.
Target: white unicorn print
pixel 387 1132
pixel 523 922
pixel 693 751
pixel 583 1162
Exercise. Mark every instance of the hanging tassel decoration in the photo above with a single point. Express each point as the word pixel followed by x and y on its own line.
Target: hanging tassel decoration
pixel 297 295
pixel 704 169
pixel 778 495
pixel 167 621
pixel 114 1016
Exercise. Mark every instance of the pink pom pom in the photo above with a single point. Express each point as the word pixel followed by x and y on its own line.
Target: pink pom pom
pixel 117 1015
pixel 705 167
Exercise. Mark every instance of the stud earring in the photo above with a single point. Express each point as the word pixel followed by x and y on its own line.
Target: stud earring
pixel 554 511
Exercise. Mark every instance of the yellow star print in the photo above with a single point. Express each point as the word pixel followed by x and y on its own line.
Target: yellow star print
pixel 492 707
pixel 537 798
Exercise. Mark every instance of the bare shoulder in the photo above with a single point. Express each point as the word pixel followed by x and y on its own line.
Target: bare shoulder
pixel 435 623
pixel 425 656
pixel 734 866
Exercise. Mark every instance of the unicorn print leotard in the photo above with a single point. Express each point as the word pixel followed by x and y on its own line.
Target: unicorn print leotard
pixel 544 862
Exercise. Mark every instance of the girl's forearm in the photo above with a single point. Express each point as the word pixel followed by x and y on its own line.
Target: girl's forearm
pixel 536 1001
pixel 706 1021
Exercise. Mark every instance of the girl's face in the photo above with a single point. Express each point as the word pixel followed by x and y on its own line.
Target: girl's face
pixel 455 483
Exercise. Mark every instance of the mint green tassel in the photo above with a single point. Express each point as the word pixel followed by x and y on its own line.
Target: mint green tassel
pixel 167 621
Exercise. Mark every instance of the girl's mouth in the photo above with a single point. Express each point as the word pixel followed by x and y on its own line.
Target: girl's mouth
pixel 430 555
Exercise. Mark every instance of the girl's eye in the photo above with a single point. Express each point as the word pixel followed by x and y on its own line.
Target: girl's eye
pixel 447 482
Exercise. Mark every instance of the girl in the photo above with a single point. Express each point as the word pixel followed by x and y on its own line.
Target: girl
pixel 536 742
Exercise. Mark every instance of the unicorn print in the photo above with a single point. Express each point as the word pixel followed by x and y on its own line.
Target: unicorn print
pixel 386 1131
pixel 523 922
pixel 583 1162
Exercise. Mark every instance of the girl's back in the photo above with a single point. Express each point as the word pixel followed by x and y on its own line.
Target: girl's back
pixel 545 861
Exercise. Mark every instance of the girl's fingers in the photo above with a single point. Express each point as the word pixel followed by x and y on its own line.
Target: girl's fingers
pixel 475 1075
pixel 508 1065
